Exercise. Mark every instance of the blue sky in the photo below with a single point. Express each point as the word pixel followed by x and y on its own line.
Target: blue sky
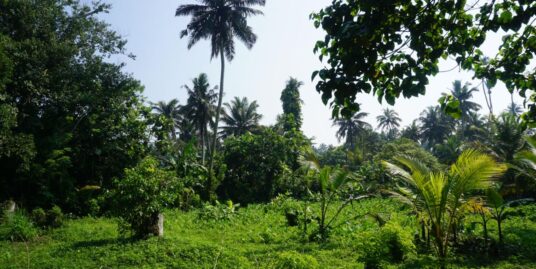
pixel 284 47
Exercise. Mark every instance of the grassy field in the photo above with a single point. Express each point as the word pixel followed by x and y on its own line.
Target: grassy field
pixel 255 237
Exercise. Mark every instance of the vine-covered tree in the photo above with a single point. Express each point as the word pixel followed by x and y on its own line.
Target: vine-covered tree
pixel 290 98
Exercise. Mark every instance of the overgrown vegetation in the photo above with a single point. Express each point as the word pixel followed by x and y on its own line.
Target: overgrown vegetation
pixel 82 153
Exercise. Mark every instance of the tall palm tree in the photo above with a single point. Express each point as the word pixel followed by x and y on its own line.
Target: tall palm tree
pixel 240 117
pixel 388 121
pixel 435 126
pixel 514 109
pixel 220 21
pixel 351 128
pixel 437 197
pixel 171 111
pixel 463 93
pixel 200 108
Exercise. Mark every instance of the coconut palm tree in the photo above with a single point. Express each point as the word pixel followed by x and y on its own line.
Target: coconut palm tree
pixel 514 109
pixel 172 112
pixel 463 93
pixel 435 126
pixel 438 197
pixel 351 128
pixel 411 131
pixel 240 117
pixel 220 21
pixel 388 121
pixel 200 108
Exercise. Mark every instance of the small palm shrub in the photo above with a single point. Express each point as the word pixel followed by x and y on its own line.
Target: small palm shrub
pixel 141 196
pixel 438 198
pixel 17 226
pixel 295 260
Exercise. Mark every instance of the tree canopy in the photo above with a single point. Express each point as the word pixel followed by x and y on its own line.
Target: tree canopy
pixel 392 48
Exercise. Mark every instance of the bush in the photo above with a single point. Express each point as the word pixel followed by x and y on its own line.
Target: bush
pixel 390 244
pixel 218 212
pixel 55 217
pixel 142 195
pixel 295 260
pixel 17 227
pixel 39 217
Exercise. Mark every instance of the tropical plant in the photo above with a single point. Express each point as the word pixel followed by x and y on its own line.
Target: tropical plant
pixel 435 126
pixel 351 128
pixel 463 94
pixel 220 21
pixel 240 117
pixel 388 121
pixel 172 112
pixel 200 108
pixel 437 197
pixel 498 208
pixel 332 182
pixel 411 131
pixel 448 151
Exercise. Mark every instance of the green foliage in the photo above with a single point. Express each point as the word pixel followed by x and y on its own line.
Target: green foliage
pixel 73 117
pixel 39 217
pixel 240 117
pixel 55 217
pixel 255 162
pixel 295 260
pixel 290 99
pixel 390 244
pixel 17 226
pixel 390 49
pixel 254 239
pixel 409 148
pixel 218 211
pixel 142 194
pixel 438 197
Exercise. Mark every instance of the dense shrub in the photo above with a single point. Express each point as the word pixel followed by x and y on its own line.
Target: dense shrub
pixel 255 163
pixel 39 217
pixel 295 260
pixel 142 195
pixel 55 217
pixel 391 244
pixel 17 226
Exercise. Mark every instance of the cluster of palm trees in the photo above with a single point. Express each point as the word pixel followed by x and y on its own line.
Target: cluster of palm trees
pixel 433 128
pixel 196 118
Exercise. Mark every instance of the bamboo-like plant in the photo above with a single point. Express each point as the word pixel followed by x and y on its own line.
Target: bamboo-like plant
pixel 439 196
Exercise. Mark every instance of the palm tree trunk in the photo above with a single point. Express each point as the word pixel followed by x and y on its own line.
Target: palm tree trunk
pixel 216 122
pixel 203 142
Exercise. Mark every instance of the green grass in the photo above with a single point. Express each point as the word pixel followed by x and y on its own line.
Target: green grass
pixel 257 237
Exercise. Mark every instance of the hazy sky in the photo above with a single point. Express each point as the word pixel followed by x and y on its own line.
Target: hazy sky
pixel 284 47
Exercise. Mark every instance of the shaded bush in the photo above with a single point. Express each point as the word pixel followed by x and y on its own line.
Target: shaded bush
pixel 55 217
